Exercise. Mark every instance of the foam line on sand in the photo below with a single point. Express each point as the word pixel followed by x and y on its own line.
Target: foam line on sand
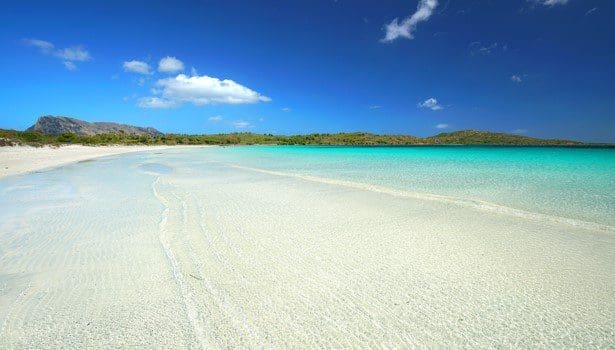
pixel 472 203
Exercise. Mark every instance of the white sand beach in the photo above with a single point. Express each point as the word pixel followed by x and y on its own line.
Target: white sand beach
pixel 201 254
pixel 24 159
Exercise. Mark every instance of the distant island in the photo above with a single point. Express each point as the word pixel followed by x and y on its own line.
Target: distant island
pixel 51 130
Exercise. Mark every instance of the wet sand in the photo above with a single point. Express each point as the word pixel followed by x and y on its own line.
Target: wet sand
pixel 24 159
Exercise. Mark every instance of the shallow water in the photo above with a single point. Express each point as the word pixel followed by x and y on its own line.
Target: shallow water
pixel 306 247
pixel 576 183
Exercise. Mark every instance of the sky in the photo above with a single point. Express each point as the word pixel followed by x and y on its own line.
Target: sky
pixel 541 68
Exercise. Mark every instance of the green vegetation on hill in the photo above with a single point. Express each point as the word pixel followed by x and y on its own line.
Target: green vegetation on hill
pixel 466 137
pixel 475 137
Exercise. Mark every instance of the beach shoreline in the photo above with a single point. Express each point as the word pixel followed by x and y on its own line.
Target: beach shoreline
pixel 183 249
pixel 16 160
pixel 204 249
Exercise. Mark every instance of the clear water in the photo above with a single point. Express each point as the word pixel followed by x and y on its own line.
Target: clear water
pixel 574 183
pixel 185 248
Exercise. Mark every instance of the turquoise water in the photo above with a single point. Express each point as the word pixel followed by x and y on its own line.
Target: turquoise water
pixel 574 183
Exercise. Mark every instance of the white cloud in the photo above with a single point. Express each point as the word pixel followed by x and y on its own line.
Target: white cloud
pixel 70 65
pixel 286 109
pixel 240 124
pixel 591 10
pixel 74 53
pixel 203 90
pixel 68 55
pixel 42 45
pixel 405 29
pixel 552 2
pixel 261 119
pixel 155 102
pixel 519 131
pixel 142 80
pixel 442 126
pixel 172 65
pixel 515 78
pixel 135 66
pixel 478 48
pixel 430 103
pixel 375 107
pixel 215 118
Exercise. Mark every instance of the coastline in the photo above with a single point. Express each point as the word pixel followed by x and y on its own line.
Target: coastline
pixel 16 160
pixel 476 204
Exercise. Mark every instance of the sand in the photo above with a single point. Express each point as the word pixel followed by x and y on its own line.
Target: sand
pixel 24 159
pixel 152 251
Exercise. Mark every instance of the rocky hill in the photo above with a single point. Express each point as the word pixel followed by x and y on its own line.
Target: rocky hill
pixel 53 125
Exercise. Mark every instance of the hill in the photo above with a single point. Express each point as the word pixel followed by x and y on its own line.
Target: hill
pixel 64 130
pixel 476 137
pixel 52 125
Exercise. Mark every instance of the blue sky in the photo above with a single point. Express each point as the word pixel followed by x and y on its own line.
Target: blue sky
pixel 542 68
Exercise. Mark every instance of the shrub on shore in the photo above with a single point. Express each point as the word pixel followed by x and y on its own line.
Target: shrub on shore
pixel 466 137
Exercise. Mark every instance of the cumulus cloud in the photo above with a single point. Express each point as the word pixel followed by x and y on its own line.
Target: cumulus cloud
pixel 135 66
pixel 375 107
pixel 286 109
pixel 203 90
pixel 155 102
pixel 515 78
pixel 68 55
pixel 430 103
pixel 240 124
pixel 405 28
pixel 215 118
pixel 519 131
pixel 442 126
pixel 172 65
